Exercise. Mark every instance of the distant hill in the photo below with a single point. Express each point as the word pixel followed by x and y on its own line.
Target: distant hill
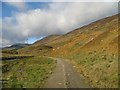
pixel 16 46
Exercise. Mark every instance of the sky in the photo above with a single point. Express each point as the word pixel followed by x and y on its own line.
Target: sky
pixel 27 22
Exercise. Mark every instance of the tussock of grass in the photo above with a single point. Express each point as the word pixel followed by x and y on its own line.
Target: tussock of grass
pixel 27 73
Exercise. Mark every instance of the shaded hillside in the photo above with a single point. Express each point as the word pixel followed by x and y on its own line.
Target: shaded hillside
pixel 6 51
pixel 15 46
pixel 93 49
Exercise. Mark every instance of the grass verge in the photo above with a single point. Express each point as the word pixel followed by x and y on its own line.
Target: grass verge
pixel 26 73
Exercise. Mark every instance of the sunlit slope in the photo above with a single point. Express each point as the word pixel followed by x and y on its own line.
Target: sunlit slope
pixel 98 35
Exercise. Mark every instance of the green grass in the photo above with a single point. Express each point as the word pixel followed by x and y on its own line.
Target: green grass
pixel 99 68
pixel 27 73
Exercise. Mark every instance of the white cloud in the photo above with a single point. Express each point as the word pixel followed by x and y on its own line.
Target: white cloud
pixel 59 18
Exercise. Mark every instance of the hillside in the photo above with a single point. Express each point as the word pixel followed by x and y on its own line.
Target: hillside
pixel 6 51
pixel 93 49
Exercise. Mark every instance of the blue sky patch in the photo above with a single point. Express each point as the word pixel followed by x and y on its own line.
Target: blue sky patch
pixel 33 39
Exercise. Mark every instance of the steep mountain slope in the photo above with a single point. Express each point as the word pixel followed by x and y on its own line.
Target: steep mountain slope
pixel 93 49
pixel 89 32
